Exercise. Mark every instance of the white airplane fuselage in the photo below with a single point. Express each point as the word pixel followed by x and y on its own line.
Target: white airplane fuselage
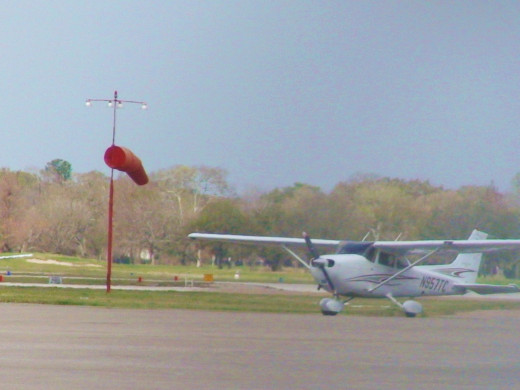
pixel 354 276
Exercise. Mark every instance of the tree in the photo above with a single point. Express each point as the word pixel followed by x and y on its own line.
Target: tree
pixel 183 193
pixel 92 188
pixel 223 216
pixel 389 207
pixel 17 195
pixel 192 188
pixel 58 170
pixel 143 222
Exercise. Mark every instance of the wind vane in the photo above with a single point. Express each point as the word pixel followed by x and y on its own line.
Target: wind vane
pixel 122 159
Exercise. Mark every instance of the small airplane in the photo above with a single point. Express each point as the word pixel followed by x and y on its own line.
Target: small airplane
pixel 383 269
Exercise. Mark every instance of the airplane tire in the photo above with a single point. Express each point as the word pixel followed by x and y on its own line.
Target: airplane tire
pixel 328 313
pixel 412 308
pixel 331 307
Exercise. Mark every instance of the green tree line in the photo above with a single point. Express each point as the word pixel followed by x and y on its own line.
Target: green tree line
pixel 59 212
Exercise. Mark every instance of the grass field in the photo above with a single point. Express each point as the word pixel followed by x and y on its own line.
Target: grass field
pixel 235 302
pixel 91 272
pixel 88 268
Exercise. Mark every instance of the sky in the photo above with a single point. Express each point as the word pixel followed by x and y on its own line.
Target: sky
pixel 273 92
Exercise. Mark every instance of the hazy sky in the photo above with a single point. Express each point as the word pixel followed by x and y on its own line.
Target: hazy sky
pixel 274 92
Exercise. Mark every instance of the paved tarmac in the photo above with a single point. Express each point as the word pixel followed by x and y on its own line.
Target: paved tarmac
pixel 70 347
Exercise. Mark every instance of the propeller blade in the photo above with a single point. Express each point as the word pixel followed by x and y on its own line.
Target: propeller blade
pixel 329 280
pixel 314 253
pixel 318 262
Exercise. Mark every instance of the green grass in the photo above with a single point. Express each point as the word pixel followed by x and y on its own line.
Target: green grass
pixel 161 300
pixel 90 268
pixel 271 303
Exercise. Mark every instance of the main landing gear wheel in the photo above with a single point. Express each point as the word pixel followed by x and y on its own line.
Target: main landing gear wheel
pixel 412 308
pixel 331 306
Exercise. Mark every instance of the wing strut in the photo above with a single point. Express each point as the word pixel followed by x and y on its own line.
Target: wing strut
pixel 429 254
pixel 296 256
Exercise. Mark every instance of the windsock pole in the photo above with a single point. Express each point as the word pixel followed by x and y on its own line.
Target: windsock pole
pixel 111 205
pixel 110 225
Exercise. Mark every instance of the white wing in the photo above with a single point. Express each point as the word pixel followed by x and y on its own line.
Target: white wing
pixel 262 240
pixel 465 246
pixel 397 247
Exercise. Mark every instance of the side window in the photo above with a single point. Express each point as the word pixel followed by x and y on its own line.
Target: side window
pixel 391 260
pixel 370 254
pixel 402 263
pixel 386 259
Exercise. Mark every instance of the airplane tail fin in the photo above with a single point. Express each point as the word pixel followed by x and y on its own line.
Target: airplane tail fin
pixel 466 265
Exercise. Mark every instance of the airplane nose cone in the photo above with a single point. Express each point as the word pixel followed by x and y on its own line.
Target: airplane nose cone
pixel 319 262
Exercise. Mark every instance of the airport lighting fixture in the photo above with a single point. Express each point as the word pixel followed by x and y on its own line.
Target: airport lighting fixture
pixel 113 103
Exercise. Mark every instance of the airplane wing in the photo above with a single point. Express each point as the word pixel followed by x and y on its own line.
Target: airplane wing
pixel 488 288
pixel 461 246
pixel 15 256
pixel 262 240
pixel 396 247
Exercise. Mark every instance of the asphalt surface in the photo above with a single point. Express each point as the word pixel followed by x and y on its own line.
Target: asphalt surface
pixel 70 347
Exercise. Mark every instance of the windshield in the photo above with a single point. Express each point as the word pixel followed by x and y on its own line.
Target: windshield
pixel 353 248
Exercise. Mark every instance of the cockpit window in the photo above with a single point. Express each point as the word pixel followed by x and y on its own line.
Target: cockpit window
pixel 354 248
pixel 391 260
pixel 386 259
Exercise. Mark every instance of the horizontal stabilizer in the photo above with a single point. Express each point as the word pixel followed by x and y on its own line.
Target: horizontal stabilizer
pixel 488 288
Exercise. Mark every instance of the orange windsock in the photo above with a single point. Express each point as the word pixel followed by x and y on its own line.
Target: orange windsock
pixel 124 160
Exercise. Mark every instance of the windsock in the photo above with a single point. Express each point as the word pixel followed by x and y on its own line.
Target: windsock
pixel 124 160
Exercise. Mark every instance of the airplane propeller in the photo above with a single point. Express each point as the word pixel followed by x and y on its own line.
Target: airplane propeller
pixel 310 246
pixel 318 262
